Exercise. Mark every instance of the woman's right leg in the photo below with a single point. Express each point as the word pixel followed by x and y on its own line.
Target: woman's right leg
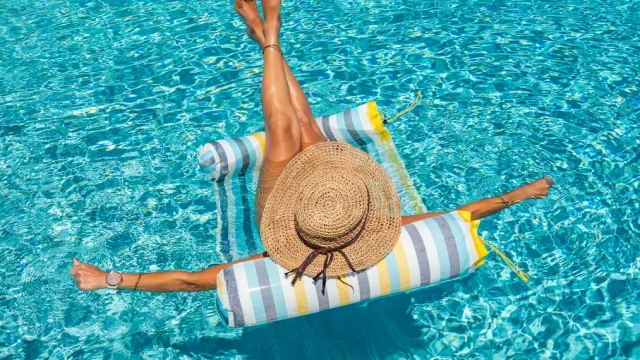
pixel 309 130
pixel 282 129
pixel 311 133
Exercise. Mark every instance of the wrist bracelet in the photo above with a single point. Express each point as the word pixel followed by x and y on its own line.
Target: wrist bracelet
pixel 137 281
pixel 504 201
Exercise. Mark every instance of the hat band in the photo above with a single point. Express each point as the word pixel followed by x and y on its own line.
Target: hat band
pixel 327 252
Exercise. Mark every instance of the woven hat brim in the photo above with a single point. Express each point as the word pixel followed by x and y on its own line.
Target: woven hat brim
pixel 381 231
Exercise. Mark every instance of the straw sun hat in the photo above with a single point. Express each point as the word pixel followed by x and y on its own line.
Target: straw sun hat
pixel 333 211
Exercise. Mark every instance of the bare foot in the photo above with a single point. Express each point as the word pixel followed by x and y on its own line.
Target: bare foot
pixel 535 190
pixel 248 11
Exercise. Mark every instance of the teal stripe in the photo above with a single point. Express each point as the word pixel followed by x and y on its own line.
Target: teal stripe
pixel 276 289
pixel 207 160
pixel 254 290
pixel 224 314
pixel 342 127
pixel 223 224
pixel 394 272
pixel 249 225
pixel 359 126
pixel 352 127
pixel 375 154
pixel 237 157
pixel 241 241
pixel 441 246
pixel 372 149
pixel 461 244
pixel 252 153
pixel 253 160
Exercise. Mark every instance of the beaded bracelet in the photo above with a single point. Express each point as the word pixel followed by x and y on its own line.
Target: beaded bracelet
pixel 137 281
pixel 505 202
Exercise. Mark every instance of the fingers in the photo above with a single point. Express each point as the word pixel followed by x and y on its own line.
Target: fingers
pixel 76 266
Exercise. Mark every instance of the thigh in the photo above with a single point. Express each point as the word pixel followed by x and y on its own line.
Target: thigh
pixel 269 175
pixel 282 145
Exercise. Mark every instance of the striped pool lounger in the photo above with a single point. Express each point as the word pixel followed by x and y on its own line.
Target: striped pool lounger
pixel 234 164
pixel 428 252
pixel 256 292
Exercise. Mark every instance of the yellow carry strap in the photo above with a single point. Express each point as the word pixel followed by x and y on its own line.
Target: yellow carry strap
pixel 415 103
pixel 515 268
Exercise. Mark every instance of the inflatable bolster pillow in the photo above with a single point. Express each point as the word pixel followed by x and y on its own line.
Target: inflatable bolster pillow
pixel 428 251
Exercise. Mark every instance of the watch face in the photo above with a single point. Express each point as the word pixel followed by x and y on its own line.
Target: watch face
pixel 114 278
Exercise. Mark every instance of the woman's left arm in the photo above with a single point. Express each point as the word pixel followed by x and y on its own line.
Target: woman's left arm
pixel 89 277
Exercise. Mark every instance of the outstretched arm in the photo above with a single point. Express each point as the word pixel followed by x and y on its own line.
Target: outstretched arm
pixel 489 206
pixel 89 277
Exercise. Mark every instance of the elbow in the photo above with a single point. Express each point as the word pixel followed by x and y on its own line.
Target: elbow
pixel 188 287
pixel 191 282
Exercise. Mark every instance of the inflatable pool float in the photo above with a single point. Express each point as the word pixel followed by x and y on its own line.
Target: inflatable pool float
pixel 257 292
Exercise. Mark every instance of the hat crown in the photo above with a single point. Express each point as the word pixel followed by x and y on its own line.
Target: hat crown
pixel 330 209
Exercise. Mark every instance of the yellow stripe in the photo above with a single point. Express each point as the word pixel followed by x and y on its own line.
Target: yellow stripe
pixel 403 266
pixel 260 139
pixel 301 298
pixel 482 251
pixel 375 118
pixel 392 155
pixel 477 242
pixel 220 285
pixel 343 291
pixel 383 277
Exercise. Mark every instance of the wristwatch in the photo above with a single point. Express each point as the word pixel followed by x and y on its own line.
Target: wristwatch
pixel 114 279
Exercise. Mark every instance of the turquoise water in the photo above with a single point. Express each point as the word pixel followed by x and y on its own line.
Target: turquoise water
pixel 103 106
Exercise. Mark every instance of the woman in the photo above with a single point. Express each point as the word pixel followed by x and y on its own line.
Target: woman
pixel 314 198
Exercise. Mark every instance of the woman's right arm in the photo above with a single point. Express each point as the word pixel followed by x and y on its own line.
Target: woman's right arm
pixel 89 277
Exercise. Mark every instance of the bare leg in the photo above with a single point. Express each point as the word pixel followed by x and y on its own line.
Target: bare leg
pixel 310 132
pixel 485 207
pixel 282 128
pixel 281 122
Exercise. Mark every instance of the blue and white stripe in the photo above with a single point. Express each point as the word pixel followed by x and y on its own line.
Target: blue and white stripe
pixel 428 251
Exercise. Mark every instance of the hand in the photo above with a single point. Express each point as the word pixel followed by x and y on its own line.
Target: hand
pixel 87 276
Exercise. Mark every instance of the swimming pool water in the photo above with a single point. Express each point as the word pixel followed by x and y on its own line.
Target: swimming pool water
pixel 103 105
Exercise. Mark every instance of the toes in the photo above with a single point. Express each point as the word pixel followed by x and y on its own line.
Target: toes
pixel 549 181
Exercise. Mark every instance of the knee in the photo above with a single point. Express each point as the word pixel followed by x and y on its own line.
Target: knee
pixel 303 117
pixel 283 126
